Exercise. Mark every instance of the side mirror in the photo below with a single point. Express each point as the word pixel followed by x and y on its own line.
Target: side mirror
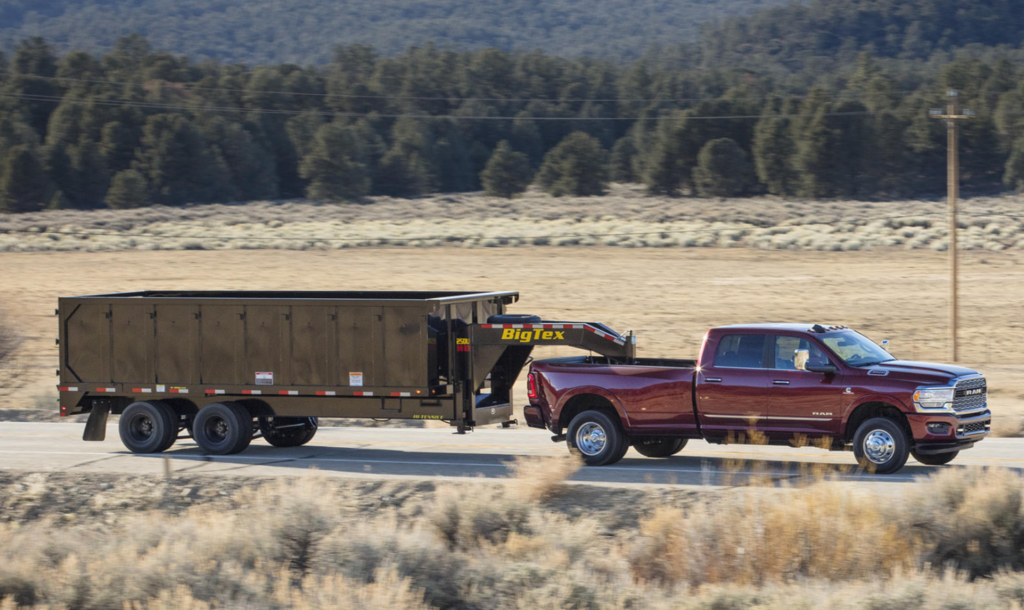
pixel 828 369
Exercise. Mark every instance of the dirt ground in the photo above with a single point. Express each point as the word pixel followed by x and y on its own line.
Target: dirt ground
pixel 668 296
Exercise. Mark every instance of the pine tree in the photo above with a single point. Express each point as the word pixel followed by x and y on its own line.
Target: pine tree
pixel 90 175
pixel 128 189
pixel 507 173
pixel 621 160
pixel 664 172
pixel 334 166
pixel 1013 177
pixel 773 152
pixel 722 169
pixel 23 183
pixel 577 166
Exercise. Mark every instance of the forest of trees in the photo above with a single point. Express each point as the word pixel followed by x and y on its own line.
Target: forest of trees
pixel 136 127
pixel 289 31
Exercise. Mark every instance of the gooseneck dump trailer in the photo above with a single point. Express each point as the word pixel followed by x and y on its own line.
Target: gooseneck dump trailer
pixel 228 366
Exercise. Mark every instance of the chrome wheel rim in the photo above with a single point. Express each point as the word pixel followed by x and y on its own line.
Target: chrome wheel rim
pixel 591 438
pixel 879 446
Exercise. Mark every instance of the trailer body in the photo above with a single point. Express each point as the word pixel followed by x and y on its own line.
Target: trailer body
pixel 443 356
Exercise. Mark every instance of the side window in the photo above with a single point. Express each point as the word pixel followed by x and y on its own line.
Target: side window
pixel 740 351
pixel 795 353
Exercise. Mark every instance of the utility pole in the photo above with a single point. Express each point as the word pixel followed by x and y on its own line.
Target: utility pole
pixel 952 118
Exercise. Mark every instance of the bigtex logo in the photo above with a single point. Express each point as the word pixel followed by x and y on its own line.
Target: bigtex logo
pixel 525 336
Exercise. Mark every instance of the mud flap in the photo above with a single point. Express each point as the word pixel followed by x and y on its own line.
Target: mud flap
pixel 96 426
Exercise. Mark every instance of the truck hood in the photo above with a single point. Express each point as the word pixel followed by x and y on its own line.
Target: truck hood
pixel 922 371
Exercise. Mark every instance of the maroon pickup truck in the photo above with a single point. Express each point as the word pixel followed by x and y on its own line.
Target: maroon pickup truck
pixel 784 383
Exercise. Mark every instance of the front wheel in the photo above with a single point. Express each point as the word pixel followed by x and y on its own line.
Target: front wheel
pixel 881 445
pixel 659 447
pixel 288 431
pixel 597 437
pixel 934 459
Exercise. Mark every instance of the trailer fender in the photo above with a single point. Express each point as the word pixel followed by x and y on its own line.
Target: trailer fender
pixel 574 402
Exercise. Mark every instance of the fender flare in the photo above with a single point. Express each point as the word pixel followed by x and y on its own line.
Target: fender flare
pixel 596 391
pixel 862 400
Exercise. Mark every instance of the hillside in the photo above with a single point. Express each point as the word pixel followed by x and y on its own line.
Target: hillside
pixel 800 35
pixel 305 31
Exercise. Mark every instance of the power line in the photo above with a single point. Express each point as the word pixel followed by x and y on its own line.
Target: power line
pixel 454 117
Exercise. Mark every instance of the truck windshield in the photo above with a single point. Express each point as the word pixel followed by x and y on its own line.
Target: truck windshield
pixel 855 349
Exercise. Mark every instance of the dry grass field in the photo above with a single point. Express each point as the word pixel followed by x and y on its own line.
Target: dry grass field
pixel 188 542
pixel 669 296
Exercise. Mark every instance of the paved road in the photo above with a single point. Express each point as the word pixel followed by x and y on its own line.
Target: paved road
pixel 432 453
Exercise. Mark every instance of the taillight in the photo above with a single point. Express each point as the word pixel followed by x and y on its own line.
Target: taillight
pixel 531 386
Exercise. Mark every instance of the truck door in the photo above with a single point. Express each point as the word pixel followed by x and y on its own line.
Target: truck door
pixel 801 402
pixel 732 393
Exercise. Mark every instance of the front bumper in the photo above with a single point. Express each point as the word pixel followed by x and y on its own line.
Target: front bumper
pixel 962 431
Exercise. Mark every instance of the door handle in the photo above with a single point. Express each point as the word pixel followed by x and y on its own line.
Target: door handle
pixel 713 379
pixel 780 382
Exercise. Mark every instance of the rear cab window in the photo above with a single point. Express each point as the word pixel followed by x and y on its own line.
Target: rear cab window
pixel 744 351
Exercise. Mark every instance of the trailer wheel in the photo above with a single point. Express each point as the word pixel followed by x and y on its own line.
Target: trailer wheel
pixel 596 437
pixel 934 459
pixel 881 445
pixel 148 427
pixel 288 431
pixel 659 447
pixel 223 428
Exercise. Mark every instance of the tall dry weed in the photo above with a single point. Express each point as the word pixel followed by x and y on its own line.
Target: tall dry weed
pixel 540 478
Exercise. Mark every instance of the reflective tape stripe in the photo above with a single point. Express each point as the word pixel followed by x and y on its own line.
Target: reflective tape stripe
pixel 68 388
pixel 252 392
pixel 106 389
pixel 214 391
pixel 401 394
pixel 363 393
pixel 142 390
pixel 289 392
pixel 325 394
pixel 179 390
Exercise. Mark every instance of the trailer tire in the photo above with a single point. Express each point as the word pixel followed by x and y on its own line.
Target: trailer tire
pixel 223 428
pixel 514 318
pixel 661 447
pixel 288 437
pixel 147 427
pixel 881 445
pixel 596 437
pixel 934 459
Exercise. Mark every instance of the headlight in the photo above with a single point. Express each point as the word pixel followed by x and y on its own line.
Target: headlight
pixel 930 399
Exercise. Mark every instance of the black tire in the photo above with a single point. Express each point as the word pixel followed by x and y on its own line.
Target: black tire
pixel 222 428
pixel 173 421
pixel 659 447
pixel 881 445
pixel 597 438
pixel 147 427
pixel 517 318
pixel 288 431
pixel 934 459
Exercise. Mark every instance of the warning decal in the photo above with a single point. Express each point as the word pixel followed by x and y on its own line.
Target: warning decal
pixel 264 378
pixel 355 379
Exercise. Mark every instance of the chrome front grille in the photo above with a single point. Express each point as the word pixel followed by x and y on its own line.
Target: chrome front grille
pixel 971 394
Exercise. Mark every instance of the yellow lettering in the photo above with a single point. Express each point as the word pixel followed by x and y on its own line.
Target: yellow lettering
pixel 527 335
pixel 508 333
pixel 548 335
pixel 560 334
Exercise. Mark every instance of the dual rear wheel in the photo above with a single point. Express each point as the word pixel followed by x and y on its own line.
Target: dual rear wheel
pixel 222 428
pixel 599 439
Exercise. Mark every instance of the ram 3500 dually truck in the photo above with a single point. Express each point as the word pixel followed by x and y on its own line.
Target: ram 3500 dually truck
pixel 784 383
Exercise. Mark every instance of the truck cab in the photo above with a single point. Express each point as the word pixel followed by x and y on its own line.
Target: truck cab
pixel 822 385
